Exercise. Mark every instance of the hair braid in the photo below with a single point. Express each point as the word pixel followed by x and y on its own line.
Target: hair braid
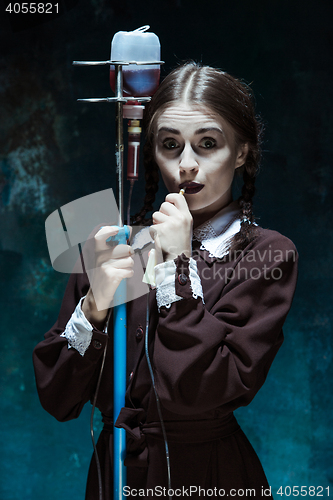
pixel 248 230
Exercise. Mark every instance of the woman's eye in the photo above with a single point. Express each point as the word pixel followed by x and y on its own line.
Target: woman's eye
pixel 170 144
pixel 207 143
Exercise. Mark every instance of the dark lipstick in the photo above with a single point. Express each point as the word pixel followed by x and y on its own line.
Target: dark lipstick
pixel 191 187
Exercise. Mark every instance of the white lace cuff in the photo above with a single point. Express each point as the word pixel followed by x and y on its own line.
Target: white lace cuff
pixel 165 283
pixel 78 331
pixel 195 281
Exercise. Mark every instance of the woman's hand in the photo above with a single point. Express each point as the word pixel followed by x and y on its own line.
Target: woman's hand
pixel 112 264
pixel 172 229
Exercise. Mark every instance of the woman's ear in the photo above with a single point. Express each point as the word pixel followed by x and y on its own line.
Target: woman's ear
pixel 242 154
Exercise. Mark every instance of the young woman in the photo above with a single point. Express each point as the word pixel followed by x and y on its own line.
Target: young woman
pixel 224 287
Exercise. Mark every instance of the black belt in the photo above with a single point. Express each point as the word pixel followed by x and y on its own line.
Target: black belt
pixel 180 431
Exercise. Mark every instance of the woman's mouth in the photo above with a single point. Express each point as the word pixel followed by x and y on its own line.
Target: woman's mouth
pixel 191 187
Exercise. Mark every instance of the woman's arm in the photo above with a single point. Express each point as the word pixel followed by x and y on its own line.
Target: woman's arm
pixel 218 353
pixel 66 379
pixel 67 362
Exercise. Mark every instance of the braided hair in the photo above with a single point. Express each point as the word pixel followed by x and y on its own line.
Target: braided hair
pixel 229 98
pixel 151 187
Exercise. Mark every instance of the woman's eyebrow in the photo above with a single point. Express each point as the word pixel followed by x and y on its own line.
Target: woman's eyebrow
pixel 209 129
pixel 202 130
pixel 170 130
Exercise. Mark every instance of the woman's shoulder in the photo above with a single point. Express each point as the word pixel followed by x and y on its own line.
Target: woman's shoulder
pixel 271 244
pixel 274 238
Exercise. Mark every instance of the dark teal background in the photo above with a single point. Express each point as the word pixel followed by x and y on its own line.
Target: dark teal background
pixel 54 150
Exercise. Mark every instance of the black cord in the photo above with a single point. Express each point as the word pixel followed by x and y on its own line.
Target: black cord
pixel 167 456
pixel 129 201
pixel 99 472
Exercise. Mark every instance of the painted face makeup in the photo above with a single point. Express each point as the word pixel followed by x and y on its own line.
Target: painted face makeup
pixel 196 149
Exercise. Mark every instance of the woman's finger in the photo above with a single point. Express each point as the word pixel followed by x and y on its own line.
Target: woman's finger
pixel 103 235
pixel 159 217
pixel 178 200
pixel 125 263
pixel 118 252
pixel 116 275
pixel 152 232
pixel 168 208
pixel 106 231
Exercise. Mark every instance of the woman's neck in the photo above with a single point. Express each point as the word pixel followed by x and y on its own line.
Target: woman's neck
pixel 199 217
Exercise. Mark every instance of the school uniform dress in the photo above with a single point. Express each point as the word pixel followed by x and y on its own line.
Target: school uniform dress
pixel 215 326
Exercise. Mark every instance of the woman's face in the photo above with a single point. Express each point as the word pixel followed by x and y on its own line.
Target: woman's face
pixel 195 148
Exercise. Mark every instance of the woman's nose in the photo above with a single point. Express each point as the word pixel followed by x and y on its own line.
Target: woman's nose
pixel 188 159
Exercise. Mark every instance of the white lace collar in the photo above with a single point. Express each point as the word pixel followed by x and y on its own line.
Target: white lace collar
pixel 214 234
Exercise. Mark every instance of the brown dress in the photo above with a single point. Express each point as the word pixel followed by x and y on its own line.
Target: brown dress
pixel 209 359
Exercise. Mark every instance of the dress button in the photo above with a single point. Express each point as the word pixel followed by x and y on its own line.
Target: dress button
pixel 130 376
pixel 97 344
pixel 139 333
pixel 182 278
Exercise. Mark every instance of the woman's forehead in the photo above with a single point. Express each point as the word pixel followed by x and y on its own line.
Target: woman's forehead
pixel 181 115
pixel 184 110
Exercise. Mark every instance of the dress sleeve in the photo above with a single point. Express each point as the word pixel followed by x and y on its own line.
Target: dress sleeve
pixel 65 378
pixel 165 279
pixel 217 354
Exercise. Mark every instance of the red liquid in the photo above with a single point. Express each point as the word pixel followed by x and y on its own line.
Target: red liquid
pixel 133 156
pixel 138 82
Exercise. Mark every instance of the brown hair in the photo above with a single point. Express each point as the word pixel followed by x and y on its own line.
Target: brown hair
pixel 229 98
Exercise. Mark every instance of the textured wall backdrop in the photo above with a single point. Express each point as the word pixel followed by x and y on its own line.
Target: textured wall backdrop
pixel 54 150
